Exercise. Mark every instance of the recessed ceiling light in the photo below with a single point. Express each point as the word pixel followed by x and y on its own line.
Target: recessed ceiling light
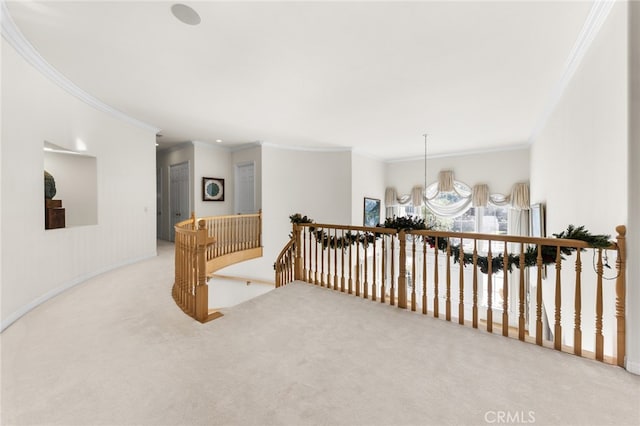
pixel 185 14
pixel 219 140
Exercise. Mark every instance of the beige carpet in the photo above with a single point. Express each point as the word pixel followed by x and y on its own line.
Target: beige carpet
pixel 117 351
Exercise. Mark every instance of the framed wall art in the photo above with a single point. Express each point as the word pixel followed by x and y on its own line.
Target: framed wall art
pixel 371 212
pixel 212 189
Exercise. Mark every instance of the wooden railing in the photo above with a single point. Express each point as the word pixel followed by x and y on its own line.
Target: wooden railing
pixel 203 246
pixel 517 286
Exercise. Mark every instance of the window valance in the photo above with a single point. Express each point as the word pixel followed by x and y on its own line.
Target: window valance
pixel 449 198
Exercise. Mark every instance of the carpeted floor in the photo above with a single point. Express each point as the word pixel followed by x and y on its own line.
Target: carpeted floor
pixel 117 351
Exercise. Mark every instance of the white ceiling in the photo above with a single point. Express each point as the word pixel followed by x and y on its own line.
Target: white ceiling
pixel 372 76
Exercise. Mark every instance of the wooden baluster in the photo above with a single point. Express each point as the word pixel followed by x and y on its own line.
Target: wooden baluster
pixel 521 319
pixel 557 335
pixel 243 233
pixel 402 274
pixel 599 336
pixel 323 235
pixel 335 260
pixel 220 242
pixel 342 263
pixel 436 302
pixel 621 298
pixel 311 264
pixel 328 249
pixel 539 297
pixel 475 284
pixel 577 330
pixel 366 266
pixel 316 281
pixel 235 236
pixel 305 261
pixel 392 290
pixel 358 265
pixel 505 291
pixel 384 269
pixel 447 302
pixel 424 274
pixel 461 283
pixel 350 263
pixel 374 287
pixel 298 260
pixel 413 273
pixel 490 290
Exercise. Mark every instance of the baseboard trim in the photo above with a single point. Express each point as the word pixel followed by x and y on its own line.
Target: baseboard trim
pixel 13 317
pixel 633 367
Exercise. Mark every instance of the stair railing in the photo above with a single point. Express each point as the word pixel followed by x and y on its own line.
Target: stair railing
pixel 461 276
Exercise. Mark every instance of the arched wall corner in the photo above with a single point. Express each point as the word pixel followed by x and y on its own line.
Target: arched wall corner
pixel 16 315
pixel 12 34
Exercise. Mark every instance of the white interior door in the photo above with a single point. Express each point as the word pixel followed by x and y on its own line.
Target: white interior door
pixel 245 194
pixel 178 194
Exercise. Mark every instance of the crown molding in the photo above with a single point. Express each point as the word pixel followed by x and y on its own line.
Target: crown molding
pixel 515 147
pixel 16 39
pixel 307 148
pixel 597 15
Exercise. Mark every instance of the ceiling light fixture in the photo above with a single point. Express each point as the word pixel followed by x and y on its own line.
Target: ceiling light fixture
pixel 219 140
pixel 185 14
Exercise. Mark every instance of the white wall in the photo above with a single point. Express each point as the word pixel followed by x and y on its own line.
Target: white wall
pixel 212 161
pixel 500 170
pixel 43 263
pixel 76 186
pixel 367 180
pixel 164 160
pixel 578 162
pixel 317 184
pixel 633 164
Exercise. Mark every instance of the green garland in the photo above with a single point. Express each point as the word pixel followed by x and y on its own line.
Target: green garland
pixel 410 223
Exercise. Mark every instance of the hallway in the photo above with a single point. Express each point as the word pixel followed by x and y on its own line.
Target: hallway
pixel 116 350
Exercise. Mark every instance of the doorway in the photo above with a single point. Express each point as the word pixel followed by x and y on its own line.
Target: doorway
pixel 178 195
pixel 245 193
pixel 159 203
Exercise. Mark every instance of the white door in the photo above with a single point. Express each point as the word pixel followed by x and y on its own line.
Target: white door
pixel 159 203
pixel 178 194
pixel 245 198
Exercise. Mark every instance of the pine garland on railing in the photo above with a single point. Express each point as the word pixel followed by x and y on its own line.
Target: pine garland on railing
pixel 410 223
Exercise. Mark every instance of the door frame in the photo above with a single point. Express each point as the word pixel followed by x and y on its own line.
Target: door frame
pixel 236 193
pixel 188 164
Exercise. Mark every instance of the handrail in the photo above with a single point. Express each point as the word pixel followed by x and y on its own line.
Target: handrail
pixel 413 269
pixel 203 246
pixel 284 264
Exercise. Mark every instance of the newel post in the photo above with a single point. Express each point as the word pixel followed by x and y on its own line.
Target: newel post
pixel 402 275
pixel 297 265
pixel 201 290
pixel 621 297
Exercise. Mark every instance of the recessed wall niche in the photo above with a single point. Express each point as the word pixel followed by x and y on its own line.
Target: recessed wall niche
pixel 76 180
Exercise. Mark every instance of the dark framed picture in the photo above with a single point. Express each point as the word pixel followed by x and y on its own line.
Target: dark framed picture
pixel 212 189
pixel 371 212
